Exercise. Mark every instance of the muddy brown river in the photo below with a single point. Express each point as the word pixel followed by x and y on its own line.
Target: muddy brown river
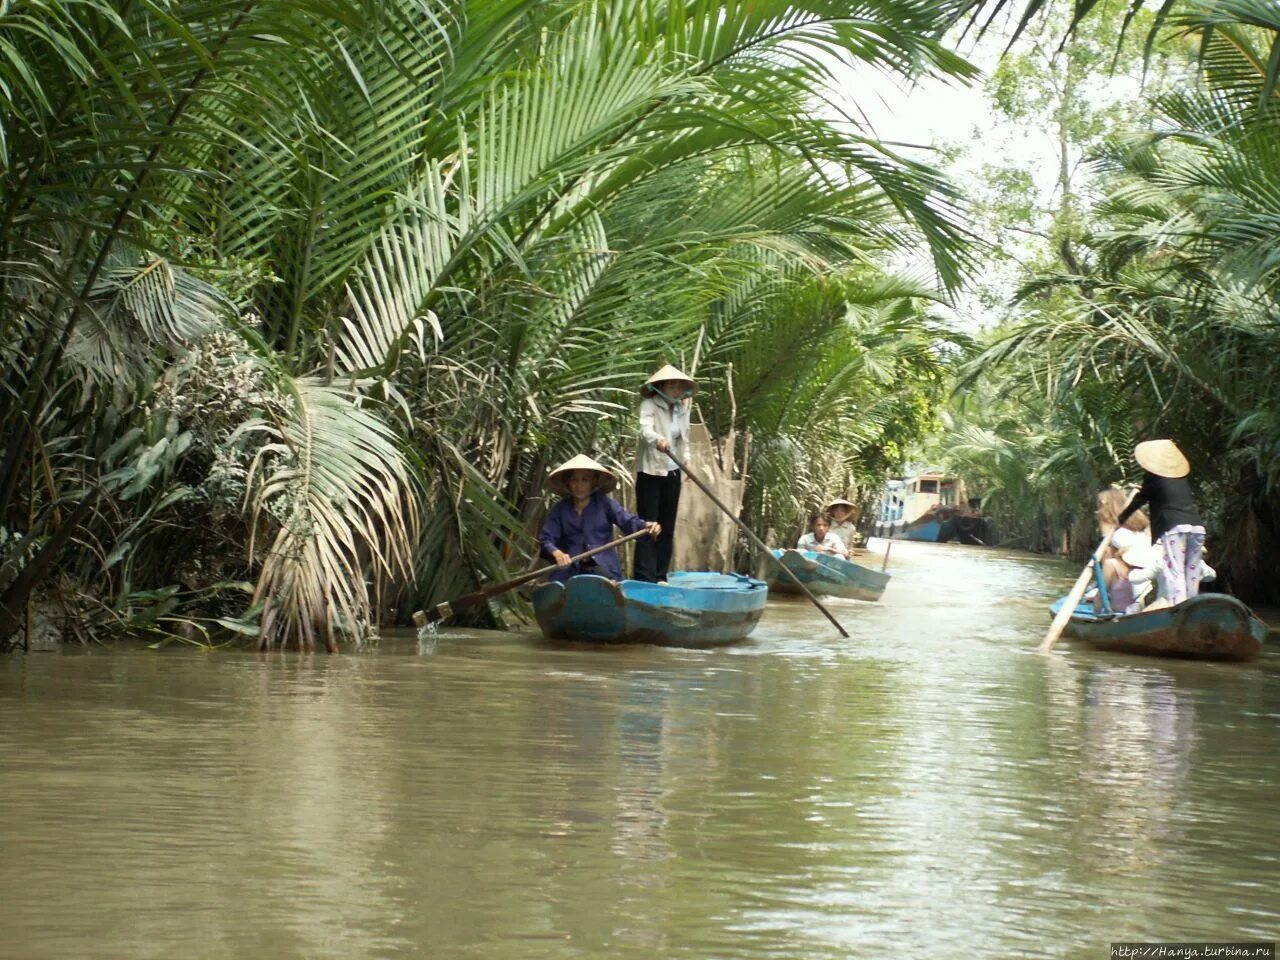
pixel 931 787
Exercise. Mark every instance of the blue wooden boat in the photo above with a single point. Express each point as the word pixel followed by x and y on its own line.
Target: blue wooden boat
pixel 825 575
pixel 690 610
pixel 1209 626
pixel 926 529
pixel 941 525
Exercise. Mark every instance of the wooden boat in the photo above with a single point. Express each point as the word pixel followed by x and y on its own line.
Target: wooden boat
pixel 691 610
pixel 826 575
pixel 930 507
pixel 1209 626
pixel 941 524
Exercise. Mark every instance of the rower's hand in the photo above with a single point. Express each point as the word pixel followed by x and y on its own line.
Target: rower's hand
pixel 663 445
pixel 561 558
pixel 654 528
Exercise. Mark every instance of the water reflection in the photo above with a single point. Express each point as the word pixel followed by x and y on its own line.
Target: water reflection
pixel 929 787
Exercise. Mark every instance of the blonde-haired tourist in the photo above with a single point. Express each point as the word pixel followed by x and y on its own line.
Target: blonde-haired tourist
pixel 1132 535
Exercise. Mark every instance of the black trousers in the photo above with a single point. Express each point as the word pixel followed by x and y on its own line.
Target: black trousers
pixel 657 498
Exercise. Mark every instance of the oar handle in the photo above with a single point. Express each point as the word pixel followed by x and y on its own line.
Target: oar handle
pixel 1069 604
pixel 756 540
pixel 447 609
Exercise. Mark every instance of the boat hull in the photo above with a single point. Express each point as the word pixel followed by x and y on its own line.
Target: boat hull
pixel 928 532
pixel 691 610
pixel 825 575
pixel 1210 626
pixel 963 527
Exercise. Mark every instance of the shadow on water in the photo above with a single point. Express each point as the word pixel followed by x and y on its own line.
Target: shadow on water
pixel 929 787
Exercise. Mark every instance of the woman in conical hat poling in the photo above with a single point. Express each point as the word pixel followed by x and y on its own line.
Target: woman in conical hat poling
pixel 844 516
pixel 585 519
pixel 664 427
pixel 1175 522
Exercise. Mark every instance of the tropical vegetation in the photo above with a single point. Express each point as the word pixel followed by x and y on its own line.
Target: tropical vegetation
pixel 301 300
pixel 1158 318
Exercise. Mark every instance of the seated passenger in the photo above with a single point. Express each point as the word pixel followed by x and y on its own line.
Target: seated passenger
pixel 1135 533
pixel 843 517
pixel 822 540
pixel 585 519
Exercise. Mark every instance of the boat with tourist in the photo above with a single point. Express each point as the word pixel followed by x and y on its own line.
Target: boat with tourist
pixel 826 575
pixel 692 609
pixel 1208 626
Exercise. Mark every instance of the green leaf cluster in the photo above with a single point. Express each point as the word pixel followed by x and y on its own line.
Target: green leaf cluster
pixel 447 238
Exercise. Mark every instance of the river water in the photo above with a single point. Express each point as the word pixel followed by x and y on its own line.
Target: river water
pixel 931 787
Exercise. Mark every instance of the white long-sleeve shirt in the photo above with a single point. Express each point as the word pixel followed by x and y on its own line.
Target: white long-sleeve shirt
pixel 830 544
pixel 658 421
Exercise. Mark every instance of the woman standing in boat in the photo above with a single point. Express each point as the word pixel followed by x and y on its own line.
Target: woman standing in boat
pixel 1175 523
pixel 585 519
pixel 664 427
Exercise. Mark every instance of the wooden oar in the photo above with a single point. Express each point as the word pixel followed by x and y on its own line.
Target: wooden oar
pixel 756 540
pixel 447 609
pixel 1073 598
pixel 888 545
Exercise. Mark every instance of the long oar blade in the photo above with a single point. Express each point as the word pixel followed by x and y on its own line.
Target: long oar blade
pixel 1069 605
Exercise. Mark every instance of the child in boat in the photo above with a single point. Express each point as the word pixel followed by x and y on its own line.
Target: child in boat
pixel 843 516
pixel 1175 523
pixel 664 428
pixel 1134 533
pixel 585 519
pixel 822 540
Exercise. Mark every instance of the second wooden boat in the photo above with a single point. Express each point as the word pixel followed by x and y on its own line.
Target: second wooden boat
pixel 1209 626
pixel 691 610
pixel 825 575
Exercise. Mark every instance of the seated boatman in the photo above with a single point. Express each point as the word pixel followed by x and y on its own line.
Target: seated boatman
pixel 584 519
pixel 822 540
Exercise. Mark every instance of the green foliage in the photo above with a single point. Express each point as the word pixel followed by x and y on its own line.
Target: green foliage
pixel 1167 325
pixel 451 238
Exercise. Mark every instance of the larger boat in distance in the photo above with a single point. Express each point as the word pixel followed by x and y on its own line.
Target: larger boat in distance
pixel 931 506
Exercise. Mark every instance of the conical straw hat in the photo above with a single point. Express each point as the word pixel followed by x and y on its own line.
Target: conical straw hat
pixel 839 502
pixel 667 373
pixel 559 477
pixel 1161 457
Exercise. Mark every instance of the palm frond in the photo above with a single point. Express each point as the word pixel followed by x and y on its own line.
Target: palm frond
pixel 336 481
